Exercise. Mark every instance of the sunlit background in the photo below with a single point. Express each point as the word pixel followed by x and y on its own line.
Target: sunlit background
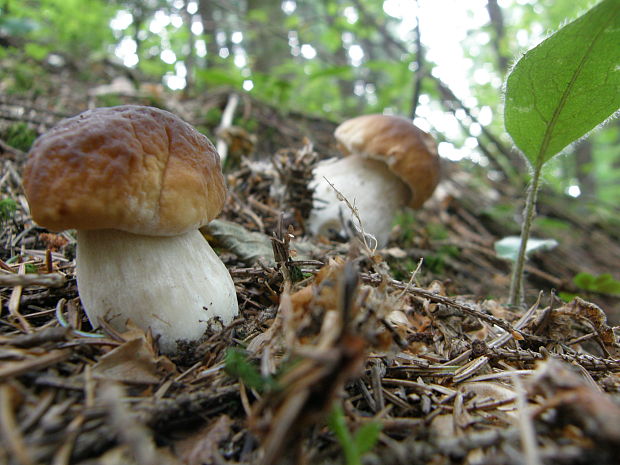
pixel 339 58
pixel 447 27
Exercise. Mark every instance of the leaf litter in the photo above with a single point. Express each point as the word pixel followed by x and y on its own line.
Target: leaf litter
pixel 324 327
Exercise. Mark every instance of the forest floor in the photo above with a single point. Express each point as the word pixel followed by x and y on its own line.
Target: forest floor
pixel 341 353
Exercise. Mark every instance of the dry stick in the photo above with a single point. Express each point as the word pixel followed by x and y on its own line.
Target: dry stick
pixel 419 75
pixel 63 454
pixel 526 427
pixel 6 148
pixel 13 369
pixel 14 301
pixel 227 119
pixel 437 298
pixel 129 431
pixel 27 280
pixel 589 362
pixel 9 429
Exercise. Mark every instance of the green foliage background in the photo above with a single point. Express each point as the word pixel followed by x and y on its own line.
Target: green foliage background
pixel 35 34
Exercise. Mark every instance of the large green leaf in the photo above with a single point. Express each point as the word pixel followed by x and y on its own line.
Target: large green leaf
pixel 567 85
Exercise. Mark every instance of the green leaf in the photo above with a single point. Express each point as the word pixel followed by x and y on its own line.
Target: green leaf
pixel 30 268
pixel 610 287
pixel 344 72
pixel 219 77
pixel 603 283
pixel 366 436
pixel 337 423
pixel 331 39
pixel 508 247
pixel 8 207
pixel 353 446
pixel 567 85
pixel 257 15
pixel 237 365
pixel 583 280
pixel 38 52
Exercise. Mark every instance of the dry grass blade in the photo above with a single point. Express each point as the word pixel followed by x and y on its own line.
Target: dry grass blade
pixel 11 435
pixel 26 280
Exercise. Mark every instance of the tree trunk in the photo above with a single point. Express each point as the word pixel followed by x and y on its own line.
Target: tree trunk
pixel 583 168
pixel 190 58
pixel 497 22
pixel 267 43
pixel 206 9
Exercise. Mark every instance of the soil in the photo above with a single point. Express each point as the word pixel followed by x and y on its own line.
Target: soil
pixel 340 353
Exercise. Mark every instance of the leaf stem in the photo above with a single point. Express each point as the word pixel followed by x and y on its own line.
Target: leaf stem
pixel 516 294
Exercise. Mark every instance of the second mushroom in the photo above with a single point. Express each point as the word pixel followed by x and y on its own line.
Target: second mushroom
pixel 389 163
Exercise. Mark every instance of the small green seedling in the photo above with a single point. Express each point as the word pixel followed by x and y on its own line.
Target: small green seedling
pixel 31 268
pixel 602 284
pixel 237 364
pixel 354 445
pixel 8 207
pixel 558 92
pixel 20 136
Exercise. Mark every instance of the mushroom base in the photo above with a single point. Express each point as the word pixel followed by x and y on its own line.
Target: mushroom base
pixel 170 285
pixel 369 185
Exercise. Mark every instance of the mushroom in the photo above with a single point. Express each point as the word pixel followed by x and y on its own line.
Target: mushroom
pixel 389 163
pixel 137 183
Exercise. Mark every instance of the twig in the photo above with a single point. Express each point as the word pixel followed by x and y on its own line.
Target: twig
pixel 437 298
pixel 9 429
pixel 6 148
pixel 36 338
pixel 419 74
pixel 526 427
pixel 14 302
pixel 129 431
pixel 590 362
pixel 10 370
pixel 227 119
pixel 30 279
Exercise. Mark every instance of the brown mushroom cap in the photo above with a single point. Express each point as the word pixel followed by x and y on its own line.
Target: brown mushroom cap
pixel 410 153
pixel 133 168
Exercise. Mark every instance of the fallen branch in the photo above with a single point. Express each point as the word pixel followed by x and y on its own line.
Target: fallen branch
pixel 27 280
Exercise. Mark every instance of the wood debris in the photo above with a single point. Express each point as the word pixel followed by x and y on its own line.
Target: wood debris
pixel 449 375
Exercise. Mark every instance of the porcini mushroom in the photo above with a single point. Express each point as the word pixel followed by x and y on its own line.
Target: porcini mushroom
pixel 137 183
pixel 389 163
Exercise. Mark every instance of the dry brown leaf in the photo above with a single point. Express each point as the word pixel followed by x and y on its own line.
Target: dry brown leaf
pixel 595 315
pixel 133 362
pixel 577 401
pixel 200 447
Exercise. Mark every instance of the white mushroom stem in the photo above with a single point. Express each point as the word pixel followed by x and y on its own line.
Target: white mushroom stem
pixel 172 285
pixel 368 184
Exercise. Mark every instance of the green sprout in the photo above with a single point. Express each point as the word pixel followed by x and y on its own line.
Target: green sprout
pixel 8 207
pixel 237 365
pixel 557 93
pixel 354 445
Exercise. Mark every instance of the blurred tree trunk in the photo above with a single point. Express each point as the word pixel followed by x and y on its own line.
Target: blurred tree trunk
pixel 341 58
pixel 190 58
pixel 206 9
pixel 497 23
pixel 139 17
pixel 583 168
pixel 267 44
